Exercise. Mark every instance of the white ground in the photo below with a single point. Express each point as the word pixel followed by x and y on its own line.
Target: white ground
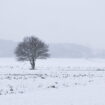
pixel 55 82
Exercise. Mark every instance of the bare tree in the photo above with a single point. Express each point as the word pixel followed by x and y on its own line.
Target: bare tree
pixel 31 49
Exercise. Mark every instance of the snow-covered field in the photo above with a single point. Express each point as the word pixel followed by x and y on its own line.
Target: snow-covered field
pixel 54 82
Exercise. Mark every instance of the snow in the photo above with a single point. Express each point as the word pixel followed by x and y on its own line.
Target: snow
pixel 54 82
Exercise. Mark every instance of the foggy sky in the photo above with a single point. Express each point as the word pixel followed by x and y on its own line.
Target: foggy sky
pixel 66 21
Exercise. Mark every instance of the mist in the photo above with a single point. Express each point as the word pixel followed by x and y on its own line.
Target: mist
pixel 55 21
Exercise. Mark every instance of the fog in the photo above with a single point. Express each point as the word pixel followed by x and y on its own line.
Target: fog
pixel 54 21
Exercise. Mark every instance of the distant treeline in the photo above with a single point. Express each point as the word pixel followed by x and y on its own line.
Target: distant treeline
pixel 61 50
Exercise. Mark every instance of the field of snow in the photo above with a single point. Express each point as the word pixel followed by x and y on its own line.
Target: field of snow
pixel 54 82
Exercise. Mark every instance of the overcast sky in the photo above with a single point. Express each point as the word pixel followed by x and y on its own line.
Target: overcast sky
pixel 71 21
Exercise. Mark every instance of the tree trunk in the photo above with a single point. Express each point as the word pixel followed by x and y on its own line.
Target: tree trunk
pixel 33 64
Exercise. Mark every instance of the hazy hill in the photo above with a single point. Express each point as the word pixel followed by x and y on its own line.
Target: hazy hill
pixel 7 48
pixel 69 50
pixel 64 50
